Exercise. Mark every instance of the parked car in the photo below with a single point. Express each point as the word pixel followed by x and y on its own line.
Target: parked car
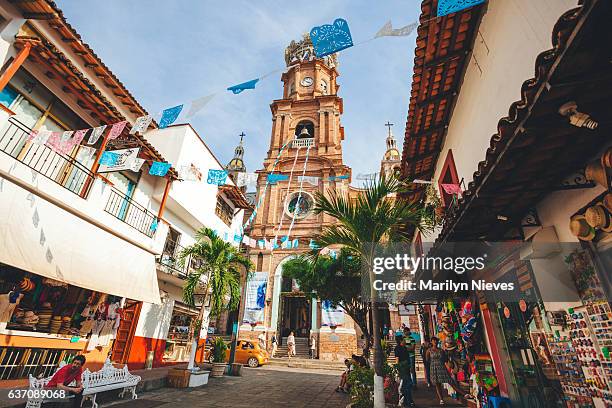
pixel 247 352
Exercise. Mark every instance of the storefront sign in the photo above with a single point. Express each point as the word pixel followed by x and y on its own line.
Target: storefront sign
pixel 255 298
pixel 330 315
pixel 123 162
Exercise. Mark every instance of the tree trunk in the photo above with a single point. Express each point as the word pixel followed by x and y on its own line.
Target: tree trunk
pixel 379 389
pixel 196 333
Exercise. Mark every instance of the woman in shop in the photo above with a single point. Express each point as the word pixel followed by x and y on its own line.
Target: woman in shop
pixel 438 373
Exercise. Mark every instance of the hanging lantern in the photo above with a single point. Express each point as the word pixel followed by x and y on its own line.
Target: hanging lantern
pixel 506 312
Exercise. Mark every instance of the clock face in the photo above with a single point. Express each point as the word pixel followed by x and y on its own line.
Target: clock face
pixel 307 81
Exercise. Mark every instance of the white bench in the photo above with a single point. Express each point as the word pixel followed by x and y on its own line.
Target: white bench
pixel 108 378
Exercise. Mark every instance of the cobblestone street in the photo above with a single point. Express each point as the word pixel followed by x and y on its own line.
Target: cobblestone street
pixel 260 387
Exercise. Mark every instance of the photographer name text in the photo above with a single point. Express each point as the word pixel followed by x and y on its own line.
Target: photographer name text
pixel 448 285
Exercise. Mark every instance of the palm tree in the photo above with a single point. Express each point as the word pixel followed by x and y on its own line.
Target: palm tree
pixel 375 217
pixel 218 272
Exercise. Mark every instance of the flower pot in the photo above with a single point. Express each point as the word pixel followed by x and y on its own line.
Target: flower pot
pixel 218 369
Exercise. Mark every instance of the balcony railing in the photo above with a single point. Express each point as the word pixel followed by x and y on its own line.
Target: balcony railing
pixel 169 261
pixel 306 142
pixel 63 170
pixel 132 213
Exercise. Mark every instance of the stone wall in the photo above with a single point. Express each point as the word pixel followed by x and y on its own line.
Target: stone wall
pixel 337 346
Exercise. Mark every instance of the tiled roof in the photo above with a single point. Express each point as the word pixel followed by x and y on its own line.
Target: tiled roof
pixel 442 47
pixel 535 148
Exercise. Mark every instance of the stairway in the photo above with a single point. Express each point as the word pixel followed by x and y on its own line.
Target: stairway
pixel 301 348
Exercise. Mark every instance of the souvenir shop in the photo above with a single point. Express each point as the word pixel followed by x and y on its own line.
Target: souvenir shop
pixel 456 322
pixel 44 321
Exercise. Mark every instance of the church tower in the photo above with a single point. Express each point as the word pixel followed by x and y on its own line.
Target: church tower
pixel 236 165
pixel 304 158
pixel 391 162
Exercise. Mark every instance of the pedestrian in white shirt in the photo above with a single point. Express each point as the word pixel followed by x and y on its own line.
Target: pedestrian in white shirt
pixel 291 345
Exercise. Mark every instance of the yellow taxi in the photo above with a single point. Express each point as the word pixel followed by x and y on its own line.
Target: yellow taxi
pixel 247 352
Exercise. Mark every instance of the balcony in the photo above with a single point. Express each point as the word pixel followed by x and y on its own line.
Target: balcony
pixel 169 261
pixel 130 212
pixel 304 142
pixel 63 170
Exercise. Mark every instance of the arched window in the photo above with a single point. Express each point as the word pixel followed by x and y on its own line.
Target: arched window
pixel 291 88
pixel 260 261
pixel 308 126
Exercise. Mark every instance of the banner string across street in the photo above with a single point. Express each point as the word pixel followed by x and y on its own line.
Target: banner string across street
pixel 327 39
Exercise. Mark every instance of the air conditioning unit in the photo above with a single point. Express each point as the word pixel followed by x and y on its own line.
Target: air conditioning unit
pixel 543 244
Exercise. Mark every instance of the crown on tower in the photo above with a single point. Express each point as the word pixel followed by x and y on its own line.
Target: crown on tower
pixel 304 51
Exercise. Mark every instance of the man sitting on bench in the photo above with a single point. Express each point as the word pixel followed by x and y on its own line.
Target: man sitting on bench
pixel 62 379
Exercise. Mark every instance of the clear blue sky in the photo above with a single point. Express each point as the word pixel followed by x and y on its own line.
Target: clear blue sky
pixel 170 52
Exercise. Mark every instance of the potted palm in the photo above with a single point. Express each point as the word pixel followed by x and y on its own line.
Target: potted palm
pixel 218 358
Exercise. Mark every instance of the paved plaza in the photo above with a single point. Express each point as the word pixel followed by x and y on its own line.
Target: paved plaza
pixel 261 387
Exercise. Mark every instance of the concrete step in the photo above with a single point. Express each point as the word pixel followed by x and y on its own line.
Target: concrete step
pixel 307 363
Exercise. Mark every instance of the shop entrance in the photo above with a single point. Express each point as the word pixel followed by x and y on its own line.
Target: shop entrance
pixel 295 316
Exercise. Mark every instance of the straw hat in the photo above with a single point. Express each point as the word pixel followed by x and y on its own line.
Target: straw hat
pixel 607 202
pixel 598 217
pixel 581 229
pixel 594 171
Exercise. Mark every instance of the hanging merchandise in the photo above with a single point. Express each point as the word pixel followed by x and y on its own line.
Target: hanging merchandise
pixel 116 130
pixel 330 38
pixel 95 134
pixel 159 169
pixel 169 116
pixel 452 6
pixel 141 125
pixel 109 158
pixel 216 177
pixel 236 89
pixel 388 31
pixel 198 104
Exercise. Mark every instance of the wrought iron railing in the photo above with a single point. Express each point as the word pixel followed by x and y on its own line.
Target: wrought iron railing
pixel 169 261
pixel 305 142
pixel 130 212
pixel 63 170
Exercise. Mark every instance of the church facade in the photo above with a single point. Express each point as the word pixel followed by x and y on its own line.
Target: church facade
pixel 305 156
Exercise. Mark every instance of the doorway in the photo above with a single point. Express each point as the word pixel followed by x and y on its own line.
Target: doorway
pixel 295 316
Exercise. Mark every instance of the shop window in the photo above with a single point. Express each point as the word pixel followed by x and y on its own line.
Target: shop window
pixel 448 176
pixel 224 211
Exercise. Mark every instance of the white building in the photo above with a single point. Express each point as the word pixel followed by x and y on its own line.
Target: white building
pixel 73 235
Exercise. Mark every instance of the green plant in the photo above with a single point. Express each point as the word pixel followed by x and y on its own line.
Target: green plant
pixel 219 350
pixel 377 216
pixel 361 381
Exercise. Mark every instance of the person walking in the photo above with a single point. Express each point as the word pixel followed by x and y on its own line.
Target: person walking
pixel 291 345
pixel 274 345
pixel 411 346
pixel 423 350
pixel 438 372
pixel 313 347
pixel 262 340
pixel 403 360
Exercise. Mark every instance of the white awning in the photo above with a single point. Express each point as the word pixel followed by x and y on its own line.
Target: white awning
pixel 39 237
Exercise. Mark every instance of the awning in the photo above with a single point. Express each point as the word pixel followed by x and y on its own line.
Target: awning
pixel 39 237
